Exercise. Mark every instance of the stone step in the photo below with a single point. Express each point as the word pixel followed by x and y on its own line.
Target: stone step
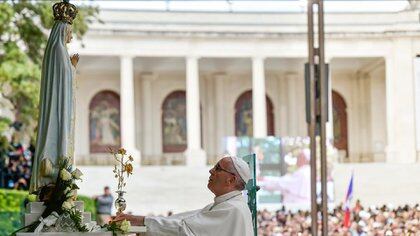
pixel 31 217
pixel 35 207
pixel 38 207
pixel 34 211
pixel 80 206
pixel 86 217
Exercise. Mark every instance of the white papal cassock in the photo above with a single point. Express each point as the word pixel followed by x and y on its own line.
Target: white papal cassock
pixel 229 215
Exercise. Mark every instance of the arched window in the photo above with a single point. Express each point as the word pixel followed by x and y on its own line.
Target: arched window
pixel 104 122
pixel 340 122
pixel 243 115
pixel 174 122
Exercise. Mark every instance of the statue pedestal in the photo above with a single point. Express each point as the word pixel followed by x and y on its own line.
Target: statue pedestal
pixel 34 210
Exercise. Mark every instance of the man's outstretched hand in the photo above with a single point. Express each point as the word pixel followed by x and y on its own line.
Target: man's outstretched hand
pixel 134 220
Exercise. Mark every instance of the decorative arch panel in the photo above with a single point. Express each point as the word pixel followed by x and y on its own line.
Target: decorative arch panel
pixel 174 122
pixel 104 122
pixel 340 122
pixel 243 115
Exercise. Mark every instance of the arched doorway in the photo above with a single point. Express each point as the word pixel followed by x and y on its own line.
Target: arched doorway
pixel 174 122
pixel 243 115
pixel 340 122
pixel 104 122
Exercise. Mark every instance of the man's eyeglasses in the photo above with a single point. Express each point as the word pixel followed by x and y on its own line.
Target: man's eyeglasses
pixel 218 168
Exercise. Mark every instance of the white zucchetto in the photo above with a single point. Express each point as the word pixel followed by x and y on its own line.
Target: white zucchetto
pixel 242 168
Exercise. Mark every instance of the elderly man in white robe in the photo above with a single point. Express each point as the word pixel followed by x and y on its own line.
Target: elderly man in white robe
pixel 228 215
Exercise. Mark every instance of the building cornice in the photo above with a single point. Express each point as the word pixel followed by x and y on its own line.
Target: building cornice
pixel 252 25
pixel 251 35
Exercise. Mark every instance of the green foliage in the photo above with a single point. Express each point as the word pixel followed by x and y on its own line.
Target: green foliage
pixel 4 125
pixel 12 208
pixel 76 216
pixel 9 222
pixel 4 148
pixel 113 227
pixel 12 200
pixel 24 27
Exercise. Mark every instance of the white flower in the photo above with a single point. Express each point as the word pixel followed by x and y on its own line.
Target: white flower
pixel 67 190
pixel 70 192
pixel 77 173
pixel 125 226
pixel 68 205
pixel 65 175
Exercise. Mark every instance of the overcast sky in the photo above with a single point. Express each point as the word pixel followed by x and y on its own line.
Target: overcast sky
pixel 250 6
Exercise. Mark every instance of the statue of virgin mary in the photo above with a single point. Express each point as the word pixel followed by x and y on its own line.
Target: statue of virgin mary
pixel 56 112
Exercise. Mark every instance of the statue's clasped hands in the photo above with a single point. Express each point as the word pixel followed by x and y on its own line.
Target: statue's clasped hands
pixel 74 59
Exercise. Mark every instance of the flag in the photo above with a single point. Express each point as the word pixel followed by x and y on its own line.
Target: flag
pixel 349 196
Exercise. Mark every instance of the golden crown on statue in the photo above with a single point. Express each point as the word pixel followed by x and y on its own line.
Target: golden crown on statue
pixel 65 11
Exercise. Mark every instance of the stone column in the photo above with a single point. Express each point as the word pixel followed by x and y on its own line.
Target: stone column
pixel 259 109
pixel 401 147
pixel 292 98
pixel 208 117
pixel 147 116
pixel 220 110
pixel 195 155
pixel 128 135
pixel 363 116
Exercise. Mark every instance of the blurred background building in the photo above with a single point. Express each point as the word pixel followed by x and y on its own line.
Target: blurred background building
pixel 171 82
pixel 181 81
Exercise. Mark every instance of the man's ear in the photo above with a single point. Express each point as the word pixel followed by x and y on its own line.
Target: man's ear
pixel 231 179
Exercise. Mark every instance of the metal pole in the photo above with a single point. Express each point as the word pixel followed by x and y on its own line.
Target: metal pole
pixel 312 123
pixel 324 116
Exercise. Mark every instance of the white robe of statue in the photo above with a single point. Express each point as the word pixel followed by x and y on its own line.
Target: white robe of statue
pixel 229 215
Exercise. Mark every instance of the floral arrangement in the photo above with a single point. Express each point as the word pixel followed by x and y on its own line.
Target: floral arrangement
pixel 122 170
pixel 122 227
pixel 61 214
pixel 122 167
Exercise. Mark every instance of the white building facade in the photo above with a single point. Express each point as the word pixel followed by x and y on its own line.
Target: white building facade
pixel 169 86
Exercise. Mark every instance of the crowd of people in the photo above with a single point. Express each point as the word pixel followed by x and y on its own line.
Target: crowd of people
pixel 15 164
pixel 383 220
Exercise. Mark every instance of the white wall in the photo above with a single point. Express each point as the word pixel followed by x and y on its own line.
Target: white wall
pixel 364 94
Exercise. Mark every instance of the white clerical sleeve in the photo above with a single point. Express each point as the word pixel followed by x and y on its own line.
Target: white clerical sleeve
pixel 223 220
pixel 165 226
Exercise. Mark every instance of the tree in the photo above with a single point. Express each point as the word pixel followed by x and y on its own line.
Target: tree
pixel 24 28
